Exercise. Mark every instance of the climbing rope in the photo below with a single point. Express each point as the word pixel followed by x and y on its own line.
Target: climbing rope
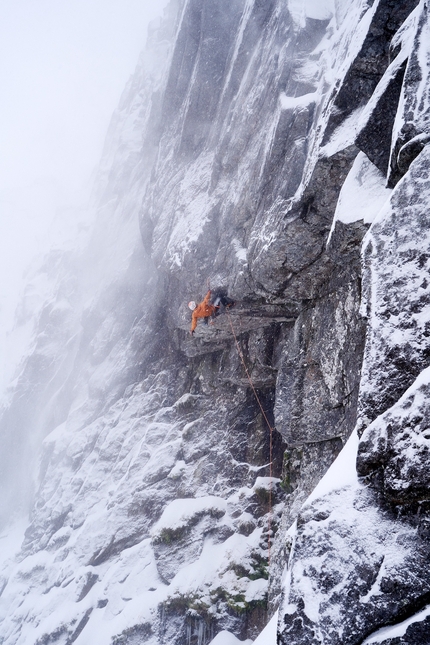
pixel 239 351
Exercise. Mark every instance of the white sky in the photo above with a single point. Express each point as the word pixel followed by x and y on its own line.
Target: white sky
pixel 63 66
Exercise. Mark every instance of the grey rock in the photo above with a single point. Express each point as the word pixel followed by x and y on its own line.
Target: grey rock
pixel 394 450
pixel 356 568
pixel 368 67
pixel 395 257
pixel 410 135
pixel 415 634
pixel 375 137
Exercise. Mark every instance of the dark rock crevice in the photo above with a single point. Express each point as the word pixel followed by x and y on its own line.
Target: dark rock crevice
pixel 371 62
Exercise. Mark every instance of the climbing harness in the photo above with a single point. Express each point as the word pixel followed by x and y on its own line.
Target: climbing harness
pixel 239 351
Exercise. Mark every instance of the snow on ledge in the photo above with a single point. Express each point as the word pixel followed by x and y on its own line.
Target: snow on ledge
pixel 268 635
pixel 292 102
pixel 363 194
pixel 227 638
pixel 341 473
pixel 315 9
pixel 396 631
pixel 179 512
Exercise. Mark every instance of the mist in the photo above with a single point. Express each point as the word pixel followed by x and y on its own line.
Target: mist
pixel 63 67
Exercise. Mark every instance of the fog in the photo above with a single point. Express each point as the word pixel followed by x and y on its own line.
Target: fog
pixel 63 66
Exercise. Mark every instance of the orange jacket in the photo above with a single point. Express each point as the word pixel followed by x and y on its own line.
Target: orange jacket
pixel 203 310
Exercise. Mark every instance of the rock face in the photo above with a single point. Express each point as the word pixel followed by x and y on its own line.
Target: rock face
pixel 360 558
pixel 250 154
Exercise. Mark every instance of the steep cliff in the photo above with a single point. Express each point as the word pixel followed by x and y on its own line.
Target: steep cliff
pixel 275 151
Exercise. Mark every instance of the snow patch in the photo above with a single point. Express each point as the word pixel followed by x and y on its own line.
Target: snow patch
pixel 268 635
pixel 239 250
pixel 292 102
pixel 177 469
pixel 341 473
pixel 315 9
pixel 396 631
pixel 344 135
pixel 265 483
pixel 179 512
pixel 227 638
pixel 319 9
pixel 363 194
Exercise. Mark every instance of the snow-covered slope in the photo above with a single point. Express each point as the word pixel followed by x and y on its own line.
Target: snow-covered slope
pixel 252 150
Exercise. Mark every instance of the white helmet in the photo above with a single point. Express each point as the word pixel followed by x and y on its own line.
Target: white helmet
pixel 192 305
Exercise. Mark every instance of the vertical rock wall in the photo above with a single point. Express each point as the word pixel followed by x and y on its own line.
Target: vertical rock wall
pixel 359 563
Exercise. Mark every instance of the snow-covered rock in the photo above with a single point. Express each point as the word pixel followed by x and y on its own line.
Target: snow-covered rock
pixel 359 555
pixel 250 153
pixel 394 449
pixel 396 293
pixel 355 566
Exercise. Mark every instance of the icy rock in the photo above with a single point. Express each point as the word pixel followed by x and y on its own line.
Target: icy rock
pixel 374 137
pixel 355 567
pixel 396 293
pixel 394 450
pixel 411 130
pixel 412 631
pixel 179 534
pixel 371 61
pixel 358 556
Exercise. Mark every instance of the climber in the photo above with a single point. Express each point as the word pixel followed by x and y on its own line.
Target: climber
pixel 208 307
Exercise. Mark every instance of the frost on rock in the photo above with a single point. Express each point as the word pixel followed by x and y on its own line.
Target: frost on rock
pixel 358 559
pixel 394 449
pixel 106 552
pixel 396 293
pixel 355 566
pixel 411 128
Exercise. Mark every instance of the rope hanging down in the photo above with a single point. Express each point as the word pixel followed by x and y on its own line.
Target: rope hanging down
pixel 270 435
